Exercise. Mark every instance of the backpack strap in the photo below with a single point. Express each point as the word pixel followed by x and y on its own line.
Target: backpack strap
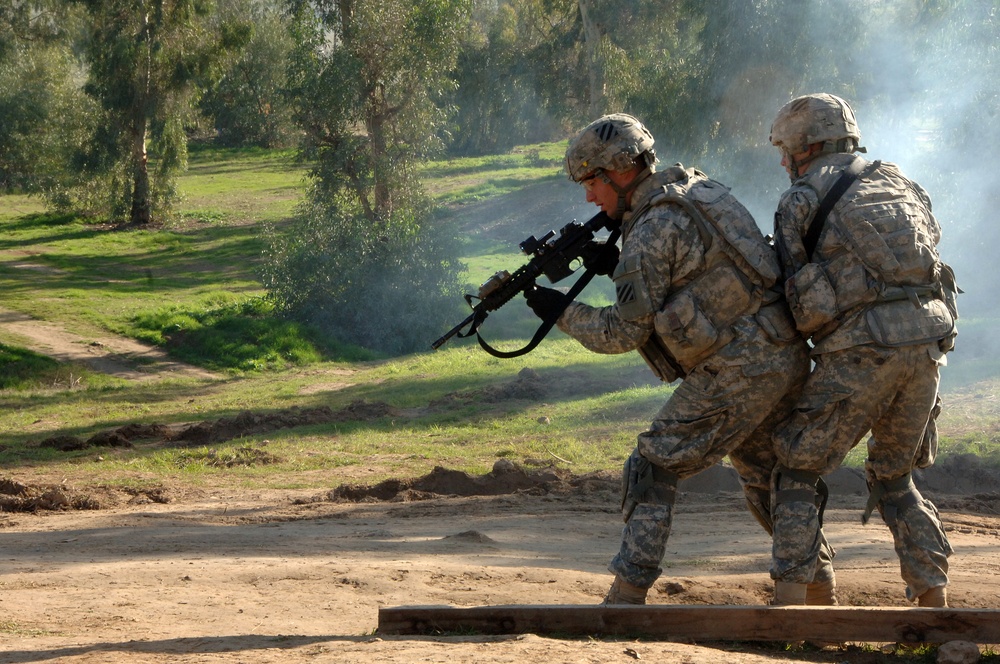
pixel 847 178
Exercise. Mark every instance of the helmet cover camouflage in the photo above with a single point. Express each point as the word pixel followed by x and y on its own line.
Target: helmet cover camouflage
pixel 815 118
pixel 611 143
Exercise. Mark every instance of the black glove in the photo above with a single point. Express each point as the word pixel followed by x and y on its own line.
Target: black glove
pixel 544 301
pixel 600 258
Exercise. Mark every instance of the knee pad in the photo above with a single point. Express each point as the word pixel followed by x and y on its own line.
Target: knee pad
pixel 800 486
pixel 889 497
pixel 644 482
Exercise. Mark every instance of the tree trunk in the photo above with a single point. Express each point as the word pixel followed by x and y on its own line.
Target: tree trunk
pixel 378 112
pixel 141 204
pixel 595 71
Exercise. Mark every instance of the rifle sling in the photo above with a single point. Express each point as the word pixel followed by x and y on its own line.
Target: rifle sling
pixel 550 320
pixel 847 178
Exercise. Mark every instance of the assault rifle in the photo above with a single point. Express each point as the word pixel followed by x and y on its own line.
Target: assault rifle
pixel 553 256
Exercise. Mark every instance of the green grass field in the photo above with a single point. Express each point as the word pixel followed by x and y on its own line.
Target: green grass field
pixel 456 407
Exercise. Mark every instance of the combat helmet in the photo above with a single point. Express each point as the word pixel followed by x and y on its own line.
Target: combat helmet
pixel 816 118
pixel 616 142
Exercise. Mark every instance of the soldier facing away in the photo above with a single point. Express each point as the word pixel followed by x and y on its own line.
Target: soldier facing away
pixel 694 297
pixel 857 244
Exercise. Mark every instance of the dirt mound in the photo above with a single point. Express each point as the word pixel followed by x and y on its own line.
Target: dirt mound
pixel 961 474
pixel 18 497
pixel 980 503
pixel 505 478
pixel 527 386
pixel 246 423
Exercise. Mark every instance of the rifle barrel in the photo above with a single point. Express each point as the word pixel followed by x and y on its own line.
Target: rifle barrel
pixel 452 332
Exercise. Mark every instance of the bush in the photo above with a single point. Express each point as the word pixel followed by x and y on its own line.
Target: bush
pixel 392 287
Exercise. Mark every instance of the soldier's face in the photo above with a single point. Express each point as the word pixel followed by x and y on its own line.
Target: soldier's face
pixel 601 194
pixel 799 157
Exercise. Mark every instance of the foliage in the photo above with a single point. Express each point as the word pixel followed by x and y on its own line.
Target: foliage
pixel 45 115
pixel 503 95
pixel 365 78
pixel 247 104
pixel 386 288
pixel 145 61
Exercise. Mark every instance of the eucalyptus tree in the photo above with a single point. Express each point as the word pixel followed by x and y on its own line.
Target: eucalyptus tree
pixel 248 104
pixel 366 258
pixel 146 60
pixel 537 69
pixel 42 110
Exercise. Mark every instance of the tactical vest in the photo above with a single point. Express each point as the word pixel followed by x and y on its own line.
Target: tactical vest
pixel 696 320
pixel 877 250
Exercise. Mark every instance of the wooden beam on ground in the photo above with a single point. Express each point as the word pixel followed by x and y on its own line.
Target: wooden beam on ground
pixel 839 624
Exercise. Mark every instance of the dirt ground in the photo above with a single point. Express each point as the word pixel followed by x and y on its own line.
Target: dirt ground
pixel 286 576
pixel 91 575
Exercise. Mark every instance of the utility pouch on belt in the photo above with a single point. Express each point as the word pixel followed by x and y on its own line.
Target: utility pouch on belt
pixel 927 452
pixel 904 323
pixel 659 360
pixel 949 292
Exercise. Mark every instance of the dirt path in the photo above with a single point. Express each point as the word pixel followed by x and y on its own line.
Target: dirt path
pixel 284 576
pixel 116 356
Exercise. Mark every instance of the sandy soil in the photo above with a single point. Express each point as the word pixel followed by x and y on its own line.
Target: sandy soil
pixel 297 577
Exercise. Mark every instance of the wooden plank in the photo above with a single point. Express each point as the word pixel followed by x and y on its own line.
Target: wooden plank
pixel 838 624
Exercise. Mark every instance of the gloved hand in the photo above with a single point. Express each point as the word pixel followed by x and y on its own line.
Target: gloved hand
pixel 599 258
pixel 544 301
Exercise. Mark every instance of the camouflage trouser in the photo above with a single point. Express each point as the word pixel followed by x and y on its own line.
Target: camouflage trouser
pixel 718 409
pixel 890 392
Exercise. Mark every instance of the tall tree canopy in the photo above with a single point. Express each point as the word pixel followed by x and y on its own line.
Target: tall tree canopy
pixel 145 58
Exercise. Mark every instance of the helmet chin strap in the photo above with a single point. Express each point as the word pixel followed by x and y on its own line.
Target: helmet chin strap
pixel 623 192
pixel 844 145
pixel 794 165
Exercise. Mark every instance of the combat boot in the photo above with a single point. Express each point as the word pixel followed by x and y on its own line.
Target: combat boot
pixel 934 597
pixel 623 592
pixel 823 589
pixel 789 594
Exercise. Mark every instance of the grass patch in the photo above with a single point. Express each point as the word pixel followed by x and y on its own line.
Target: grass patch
pixel 244 335
pixel 23 369
pixel 244 456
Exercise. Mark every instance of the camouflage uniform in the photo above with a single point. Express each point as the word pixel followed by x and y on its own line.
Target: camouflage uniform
pixel 728 402
pixel 869 299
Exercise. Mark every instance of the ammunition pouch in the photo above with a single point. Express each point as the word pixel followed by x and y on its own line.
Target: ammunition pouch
pixel 696 321
pixel 777 322
pixel 818 293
